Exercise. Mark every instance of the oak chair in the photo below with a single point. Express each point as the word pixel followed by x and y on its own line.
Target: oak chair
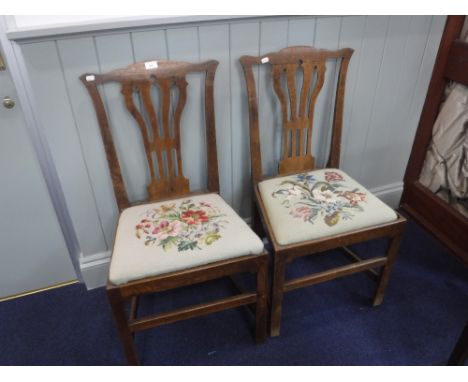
pixel 304 210
pixel 176 237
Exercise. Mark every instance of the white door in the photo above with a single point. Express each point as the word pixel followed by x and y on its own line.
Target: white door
pixel 33 254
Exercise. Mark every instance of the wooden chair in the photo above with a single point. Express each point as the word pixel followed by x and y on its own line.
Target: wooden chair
pixel 303 210
pixel 178 237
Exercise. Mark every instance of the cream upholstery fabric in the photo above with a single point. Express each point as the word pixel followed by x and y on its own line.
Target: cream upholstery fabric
pixel 158 238
pixel 320 203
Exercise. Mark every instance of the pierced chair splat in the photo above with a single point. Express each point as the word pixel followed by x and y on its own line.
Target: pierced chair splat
pixel 304 210
pixel 176 237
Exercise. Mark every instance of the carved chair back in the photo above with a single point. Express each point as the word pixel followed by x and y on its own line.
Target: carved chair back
pixel 161 143
pixel 297 112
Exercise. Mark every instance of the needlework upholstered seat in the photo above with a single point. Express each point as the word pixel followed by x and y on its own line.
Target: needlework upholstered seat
pixel 320 203
pixel 158 238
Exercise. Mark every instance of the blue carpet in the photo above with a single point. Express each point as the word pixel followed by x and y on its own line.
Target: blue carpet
pixel 424 311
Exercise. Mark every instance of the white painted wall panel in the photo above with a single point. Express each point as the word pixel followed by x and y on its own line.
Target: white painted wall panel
pixel 213 42
pixel 385 106
pixel 56 114
pixel 327 35
pixel 404 139
pixel 384 132
pixel 149 45
pixel 367 77
pixel 77 57
pixel 387 81
pixel 244 40
pixel 352 36
pixel 301 31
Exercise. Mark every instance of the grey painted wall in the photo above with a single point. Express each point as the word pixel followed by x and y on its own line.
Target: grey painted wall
pixel 388 78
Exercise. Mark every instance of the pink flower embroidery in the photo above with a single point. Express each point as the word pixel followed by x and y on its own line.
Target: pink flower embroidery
pixel 302 212
pixel 166 229
pixel 353 197
pixel 186 226
pixel 332 176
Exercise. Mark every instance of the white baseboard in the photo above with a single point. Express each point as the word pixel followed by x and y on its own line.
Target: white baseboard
pixel 389 193
pixel 95 268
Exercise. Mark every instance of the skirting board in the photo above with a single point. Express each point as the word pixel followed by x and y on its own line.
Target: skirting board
pixel 95 268
pixel 389 194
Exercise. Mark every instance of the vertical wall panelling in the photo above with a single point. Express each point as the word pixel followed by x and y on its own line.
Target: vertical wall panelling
pixel 244 39
pixel 183 46
pixel 405 140
pixel 55 113
pixel 352 36
pixel 214 39
pixel 149 45
pixel 387 81
pixel 327 35
pixel 78 57
pixel 379 132
pixel 301 31
pixel 367 78
pixel 381 169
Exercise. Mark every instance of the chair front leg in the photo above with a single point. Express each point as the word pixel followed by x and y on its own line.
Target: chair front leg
pixel 261 306
pixel 277 295
pixel 385 275
pixel 117 305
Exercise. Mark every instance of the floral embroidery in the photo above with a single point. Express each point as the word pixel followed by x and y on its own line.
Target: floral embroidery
pixel 189 226
pixel 332 175
pixel 308 198
pixel 194 217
